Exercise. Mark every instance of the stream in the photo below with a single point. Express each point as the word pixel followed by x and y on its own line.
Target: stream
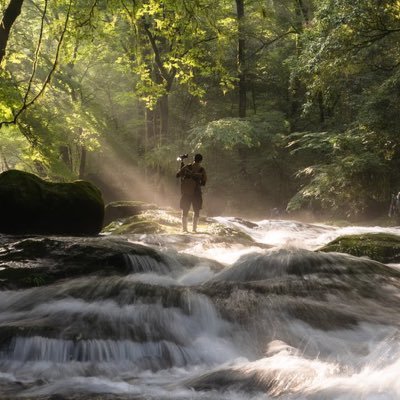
pixel 186 317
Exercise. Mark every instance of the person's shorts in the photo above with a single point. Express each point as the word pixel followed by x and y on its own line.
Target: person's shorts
pixel 195 200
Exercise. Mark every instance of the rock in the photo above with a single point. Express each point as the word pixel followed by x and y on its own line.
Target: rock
pixel 247 224
pixel 382 247
pixel 150 220
pixel 134 225
pixel 123 209
pixel 39 261
pixel 30 205
pixel 168 221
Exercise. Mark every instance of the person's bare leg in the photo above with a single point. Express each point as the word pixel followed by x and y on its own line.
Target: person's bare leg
pixel 195 221
pixel 184 221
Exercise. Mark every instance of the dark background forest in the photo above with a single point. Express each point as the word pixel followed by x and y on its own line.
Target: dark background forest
pixel 294 104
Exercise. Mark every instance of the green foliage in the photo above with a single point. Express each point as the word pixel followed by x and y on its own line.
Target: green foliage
pixel 15 150
pixel 163 156
pixel 348 64
pixel 152 79
pixel 225 134
pixel 35 280
pixel 246 154
pixel 344 174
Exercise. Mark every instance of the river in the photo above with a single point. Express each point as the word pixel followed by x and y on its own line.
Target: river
pixel 192 318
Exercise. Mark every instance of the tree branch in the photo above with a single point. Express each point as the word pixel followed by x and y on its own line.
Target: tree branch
pixel 266 44
pixel 87 21
pixel 10 15
pixel 157 56
pixel 372 38
pixel 26 104
pixel 35 62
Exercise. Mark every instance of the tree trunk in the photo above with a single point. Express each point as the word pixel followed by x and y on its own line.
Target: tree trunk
pixel 304 9
pixel 241 59
pixel 66 156
pixel 150 133
pixel 321 108
pixel 297 90
pixel 163 105
pixel 82 164
pixel 10 15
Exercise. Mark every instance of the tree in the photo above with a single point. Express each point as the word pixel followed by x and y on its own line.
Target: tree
pixel 11 13
pixel 349 64
pixel 169 40
pixel 241 59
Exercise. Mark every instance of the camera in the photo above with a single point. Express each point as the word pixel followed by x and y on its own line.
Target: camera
pixel 182 157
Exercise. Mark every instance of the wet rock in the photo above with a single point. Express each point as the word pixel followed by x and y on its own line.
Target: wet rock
pixel 246 223
pixel 381 247
pixel 228 234
pixel 37 261
pixel 301 263
pixel 150 221
pixel 167 221
pixel 124 209
pixel 326 291
pixel 30 205
pixel 85 396
pixel 134 225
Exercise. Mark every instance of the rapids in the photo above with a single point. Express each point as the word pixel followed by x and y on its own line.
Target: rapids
pixel 185 317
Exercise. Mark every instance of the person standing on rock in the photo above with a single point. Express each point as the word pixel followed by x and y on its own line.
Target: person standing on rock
pixel 193 177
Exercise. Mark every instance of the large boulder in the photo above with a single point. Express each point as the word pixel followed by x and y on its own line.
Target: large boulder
pixel 37 261
pixel 30 205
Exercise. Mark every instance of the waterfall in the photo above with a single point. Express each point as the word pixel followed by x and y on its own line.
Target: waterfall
pixel 113 318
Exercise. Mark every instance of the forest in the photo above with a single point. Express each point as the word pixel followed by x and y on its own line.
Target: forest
pixel 294 104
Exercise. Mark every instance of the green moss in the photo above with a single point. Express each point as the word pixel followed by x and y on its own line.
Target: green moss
pixel 381 247
pixel 150 221
pixel 32 205
pixel 132 203
pixel 138 225
pixel 168 220
pixel 25 277
pixel 117 210
pixel 224 231
pixel 36 280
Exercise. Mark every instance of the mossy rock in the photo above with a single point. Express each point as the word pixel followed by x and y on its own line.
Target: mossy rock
pixel 148 227
pixel 382 247
pixel 38 261
pixel 148 222
pixel 227 232
pixel 124 209
pixel 168 221
pixel 30 205
pixel 136 224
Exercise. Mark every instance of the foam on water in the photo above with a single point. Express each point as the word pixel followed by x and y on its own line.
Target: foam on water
pixel 297 234
pixel 281 323
pixel 225 253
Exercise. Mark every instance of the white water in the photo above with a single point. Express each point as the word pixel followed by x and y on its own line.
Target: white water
pixel 159 347
pixel 280 233
pixel 299 234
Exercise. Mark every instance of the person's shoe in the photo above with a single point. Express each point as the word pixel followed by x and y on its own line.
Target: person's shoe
pixel 195 220
pixel 184 224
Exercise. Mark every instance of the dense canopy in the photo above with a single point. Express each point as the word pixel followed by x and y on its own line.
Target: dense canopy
pixel 294 104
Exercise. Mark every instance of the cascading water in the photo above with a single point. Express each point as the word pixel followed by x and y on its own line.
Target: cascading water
pixel 158 322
